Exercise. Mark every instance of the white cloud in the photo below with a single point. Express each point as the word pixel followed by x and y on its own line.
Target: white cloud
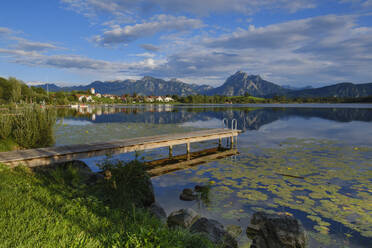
pixel 160 23
pixel 146 55
pixel 150 47
pixel 368 4
pixel 325 49
pixel 27 45
pixel 204 7
pixel 282 35
pixel 5 31
pixel 80 63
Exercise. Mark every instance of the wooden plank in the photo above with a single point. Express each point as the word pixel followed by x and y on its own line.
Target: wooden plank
pixel 42 156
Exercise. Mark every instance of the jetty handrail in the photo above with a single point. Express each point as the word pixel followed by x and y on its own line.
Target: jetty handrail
pixel 234 124
pixel 225 123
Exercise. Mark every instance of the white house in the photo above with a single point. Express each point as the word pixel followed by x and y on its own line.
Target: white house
pixel 92 91
pixel 168 99
pixel 159 99
pixel 149 99
pixel 112 97
pixel 98 95
pixel 87 98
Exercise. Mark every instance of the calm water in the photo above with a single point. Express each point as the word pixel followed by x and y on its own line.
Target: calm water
pixel 328 146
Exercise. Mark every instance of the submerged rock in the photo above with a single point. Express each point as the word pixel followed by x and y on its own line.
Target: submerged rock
pixel 201 188
pixel 183 217
pixel 188 195
pixel 215 232
pixel 157 211
pixel 276 231
pixel 234 230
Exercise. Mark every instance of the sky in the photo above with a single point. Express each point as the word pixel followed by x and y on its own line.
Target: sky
pixel 288 42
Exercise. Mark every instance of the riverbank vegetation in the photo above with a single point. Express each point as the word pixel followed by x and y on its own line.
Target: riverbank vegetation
pixel 29 127
pixel 13 91
pixel 55 207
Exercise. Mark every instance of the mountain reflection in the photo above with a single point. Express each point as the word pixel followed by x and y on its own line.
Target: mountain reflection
pixel 248 118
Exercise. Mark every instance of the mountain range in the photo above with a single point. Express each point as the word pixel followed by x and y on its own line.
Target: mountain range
pixel 237 84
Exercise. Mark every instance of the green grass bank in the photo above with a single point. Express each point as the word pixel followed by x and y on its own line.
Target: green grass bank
pixel 56 208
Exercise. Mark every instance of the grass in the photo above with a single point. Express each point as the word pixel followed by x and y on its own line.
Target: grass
pixel 54 208
pixel 8 145
pixel 30 127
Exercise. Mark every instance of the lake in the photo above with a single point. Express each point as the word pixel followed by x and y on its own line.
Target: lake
pixel 312 161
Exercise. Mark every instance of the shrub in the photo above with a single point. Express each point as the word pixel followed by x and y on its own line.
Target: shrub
pixel 127 182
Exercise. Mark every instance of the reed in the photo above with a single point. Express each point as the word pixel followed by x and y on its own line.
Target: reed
pixel 31 127
pixel 5 126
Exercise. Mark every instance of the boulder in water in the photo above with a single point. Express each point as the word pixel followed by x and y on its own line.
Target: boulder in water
pixel 276 231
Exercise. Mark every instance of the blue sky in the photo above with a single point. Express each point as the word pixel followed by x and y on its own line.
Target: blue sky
pixel 289 42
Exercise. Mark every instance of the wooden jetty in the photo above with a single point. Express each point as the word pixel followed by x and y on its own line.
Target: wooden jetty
pixel 45 156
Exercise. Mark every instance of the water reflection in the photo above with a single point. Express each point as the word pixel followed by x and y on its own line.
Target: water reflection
pixel 249 118
pixel 328 146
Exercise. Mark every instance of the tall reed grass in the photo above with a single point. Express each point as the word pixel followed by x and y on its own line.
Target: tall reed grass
pixel 31 127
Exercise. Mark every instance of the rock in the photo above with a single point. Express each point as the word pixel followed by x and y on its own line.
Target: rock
pixel 252 231
pixel 276 231
pixel 183 217
pixel 200 188
pixel 215 232
pixel 157 211
pixel 234 230
pixel 188 195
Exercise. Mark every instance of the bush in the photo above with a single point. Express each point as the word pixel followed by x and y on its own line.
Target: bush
pixel 127 182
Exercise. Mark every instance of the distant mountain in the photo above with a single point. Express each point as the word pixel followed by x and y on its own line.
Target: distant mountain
pixel 236 85
pixel 290 87
pixel 241 83
pixel 145 86
pixel 342 90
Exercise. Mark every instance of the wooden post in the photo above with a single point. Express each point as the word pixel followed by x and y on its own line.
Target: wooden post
pixel 219 143
pixel 170 151
pixel 188 150
pixel 231 142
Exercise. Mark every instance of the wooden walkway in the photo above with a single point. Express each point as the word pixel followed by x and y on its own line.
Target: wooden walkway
pixel 45 156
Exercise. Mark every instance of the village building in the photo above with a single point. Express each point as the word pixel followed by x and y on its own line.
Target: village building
pixel 159 99
pixel 149 99
pixel 86 97
pixel 112 97
pixel 92 91
pixel 168 99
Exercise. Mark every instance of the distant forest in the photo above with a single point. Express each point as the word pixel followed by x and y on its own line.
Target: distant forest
pixel 15 91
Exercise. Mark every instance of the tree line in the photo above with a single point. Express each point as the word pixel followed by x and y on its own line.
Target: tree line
pixel 15 91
